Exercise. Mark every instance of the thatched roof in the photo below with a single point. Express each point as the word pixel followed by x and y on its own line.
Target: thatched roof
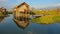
pixel 22 4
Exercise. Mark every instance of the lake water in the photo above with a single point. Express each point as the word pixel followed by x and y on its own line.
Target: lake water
pixel 8 26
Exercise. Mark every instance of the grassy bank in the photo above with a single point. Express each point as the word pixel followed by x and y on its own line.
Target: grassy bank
pixel 1 14
pixel 48 17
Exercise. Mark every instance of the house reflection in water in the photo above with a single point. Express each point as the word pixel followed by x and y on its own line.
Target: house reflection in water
pixel 21 25
pixel 21 14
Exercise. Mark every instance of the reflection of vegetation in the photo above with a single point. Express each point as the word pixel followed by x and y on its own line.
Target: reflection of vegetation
pixel 1 18
pixel 48 16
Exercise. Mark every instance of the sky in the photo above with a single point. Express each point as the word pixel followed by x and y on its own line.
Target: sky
pixel 9 4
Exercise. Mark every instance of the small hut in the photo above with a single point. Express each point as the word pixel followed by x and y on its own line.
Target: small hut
pixel 21 11
pixel 3 11
pixel 21 14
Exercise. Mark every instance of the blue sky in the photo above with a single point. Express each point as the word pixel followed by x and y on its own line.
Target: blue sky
pixel 33 3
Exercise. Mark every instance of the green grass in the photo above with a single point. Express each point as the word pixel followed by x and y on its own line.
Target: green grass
pixel 1 14
pixel 52 17
pixel 47 19
pixel 56 18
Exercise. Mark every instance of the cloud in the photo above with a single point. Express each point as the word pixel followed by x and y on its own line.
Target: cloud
pixel 49 5
pixel 3 0
pixel 57 4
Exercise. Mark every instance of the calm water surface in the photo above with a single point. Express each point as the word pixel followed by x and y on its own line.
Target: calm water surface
pixel 8 26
